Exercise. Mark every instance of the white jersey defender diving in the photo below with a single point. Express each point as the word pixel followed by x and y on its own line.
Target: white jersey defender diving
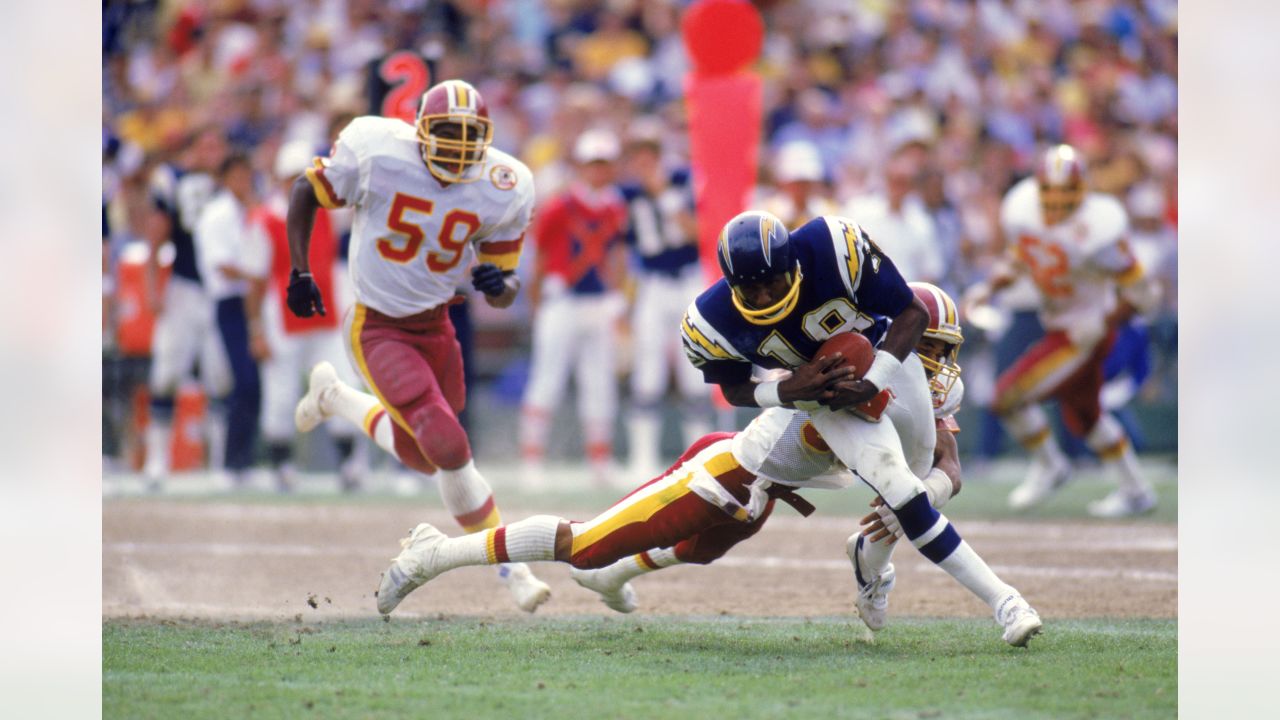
pixel 416 237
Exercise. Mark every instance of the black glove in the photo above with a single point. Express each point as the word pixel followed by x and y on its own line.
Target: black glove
pixel 489 279
pixel 304 296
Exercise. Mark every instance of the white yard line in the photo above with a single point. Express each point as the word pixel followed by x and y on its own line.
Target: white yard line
pixel 767 561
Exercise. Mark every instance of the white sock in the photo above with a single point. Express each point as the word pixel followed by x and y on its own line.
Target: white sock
pixel 639 564
pixel 529 540
pixel 469 497
pixel 1111 443
pixel 972 571
pixel 535 427
pixel 158 436
pixel 350 404
pixel 645 433
pixel 876 556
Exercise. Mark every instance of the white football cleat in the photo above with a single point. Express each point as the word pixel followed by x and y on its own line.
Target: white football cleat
pixel 1121 503
pixel 621 598
pixel 311 410
pixel 1042 480
pixel 529 592
pixel 873 592
pixel 411 568
pixel 1021 622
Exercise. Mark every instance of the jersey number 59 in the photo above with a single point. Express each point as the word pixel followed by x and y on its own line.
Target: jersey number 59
pixel 412 235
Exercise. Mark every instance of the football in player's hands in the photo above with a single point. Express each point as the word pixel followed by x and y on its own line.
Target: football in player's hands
pixel 489 279
pixel 855 348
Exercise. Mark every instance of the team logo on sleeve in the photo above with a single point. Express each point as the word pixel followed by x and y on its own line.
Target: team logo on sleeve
pixel 503 177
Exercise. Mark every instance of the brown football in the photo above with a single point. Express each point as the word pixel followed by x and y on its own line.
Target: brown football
pixel 855 348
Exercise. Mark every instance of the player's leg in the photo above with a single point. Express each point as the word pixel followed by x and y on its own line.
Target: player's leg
pixel 648 379
pixel 659 513
pixel 1019 392
pixel 353 453
pixel 175 344
pixel 595 375
pixel 874 452
pixel 1082 413
pixel 419 379
pixel 912 415
pixel 612 582
pixel 548 375
pixel 245 402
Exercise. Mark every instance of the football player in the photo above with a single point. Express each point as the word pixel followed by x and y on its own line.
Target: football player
pixel 576 302
pixel 430 199
pixel 869 550
pixel 784 294
pixel 662 235
pixel 185 329
pixel 1071 243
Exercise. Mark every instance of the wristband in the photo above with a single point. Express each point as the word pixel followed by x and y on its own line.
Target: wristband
pixel 937 485
pixel 883 369
pixel 766 394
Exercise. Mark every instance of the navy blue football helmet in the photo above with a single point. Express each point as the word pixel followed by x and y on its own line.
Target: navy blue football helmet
pixel 755 246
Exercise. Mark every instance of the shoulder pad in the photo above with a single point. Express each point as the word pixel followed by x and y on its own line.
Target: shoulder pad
pixel 702 341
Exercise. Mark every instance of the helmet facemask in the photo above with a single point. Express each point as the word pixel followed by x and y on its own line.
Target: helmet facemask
pixel 937 351
pixel 453 145
pixel 778 310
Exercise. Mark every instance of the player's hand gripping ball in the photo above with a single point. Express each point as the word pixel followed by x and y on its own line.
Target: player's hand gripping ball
pixel 489 279
pixel 855 348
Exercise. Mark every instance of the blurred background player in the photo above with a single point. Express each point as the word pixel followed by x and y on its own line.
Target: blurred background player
pixel 801 193
pixel 184 331
pixel 662 234
pixel 293 345
pixel 576 302
pixel 235 264
pixel 430 199
pixel 1072 244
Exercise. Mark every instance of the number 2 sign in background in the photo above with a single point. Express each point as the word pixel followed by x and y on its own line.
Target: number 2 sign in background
pixel 396 84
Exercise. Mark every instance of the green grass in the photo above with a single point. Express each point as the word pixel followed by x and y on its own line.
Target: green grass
pixel 646 667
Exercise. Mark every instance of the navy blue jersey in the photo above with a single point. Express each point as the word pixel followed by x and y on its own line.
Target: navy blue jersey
pixel 182 196
pixel 653 231
pixel 847 284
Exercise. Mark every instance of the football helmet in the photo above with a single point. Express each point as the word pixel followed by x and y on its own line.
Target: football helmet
pixel 454 131
pixel 944 327
pixel 754 247
pixel 1060 174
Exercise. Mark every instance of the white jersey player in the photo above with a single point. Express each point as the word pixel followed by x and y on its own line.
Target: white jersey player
pixel 431 199
pixel 1072 245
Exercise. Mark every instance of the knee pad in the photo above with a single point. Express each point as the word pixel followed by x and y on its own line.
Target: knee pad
pixel 440 435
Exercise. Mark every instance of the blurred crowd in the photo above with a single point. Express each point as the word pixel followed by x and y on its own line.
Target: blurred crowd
pixel 913 117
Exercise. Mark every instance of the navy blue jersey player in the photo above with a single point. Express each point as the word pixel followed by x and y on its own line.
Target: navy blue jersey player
pixel 783 294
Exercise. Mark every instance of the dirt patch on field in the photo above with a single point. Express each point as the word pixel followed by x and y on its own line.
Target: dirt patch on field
pixel 228 560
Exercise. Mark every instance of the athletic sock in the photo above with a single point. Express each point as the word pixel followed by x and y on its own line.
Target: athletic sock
pixel 935 537
pixel 876 556
pixel 535 427
pixel 644 435
pixel 158 436
pixel 529 540
pixel 638 564
pixel 1111 443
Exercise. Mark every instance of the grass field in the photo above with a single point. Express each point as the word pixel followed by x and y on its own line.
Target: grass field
pixel 592 667
pixel 210 611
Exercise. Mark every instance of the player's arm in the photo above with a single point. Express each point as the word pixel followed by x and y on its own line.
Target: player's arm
pixel 495 275
pixel 882 290
pixel 809 385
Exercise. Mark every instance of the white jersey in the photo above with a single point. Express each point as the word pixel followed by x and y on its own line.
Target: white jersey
pixel 1075 264
pixel 413 239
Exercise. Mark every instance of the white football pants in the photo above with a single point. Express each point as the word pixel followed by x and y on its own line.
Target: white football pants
pixel 184 332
